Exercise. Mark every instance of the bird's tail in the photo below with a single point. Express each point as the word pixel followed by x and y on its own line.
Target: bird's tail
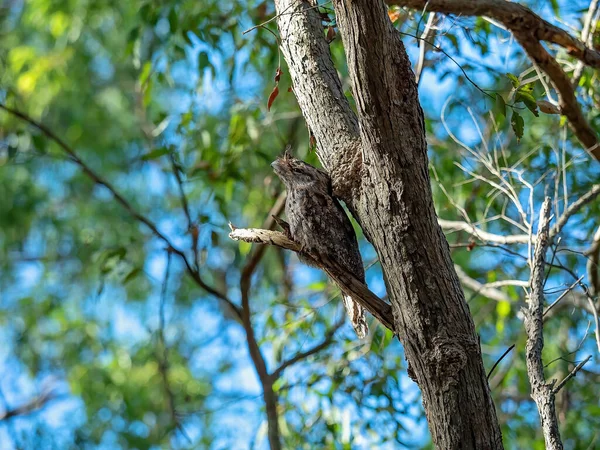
pixel 357 316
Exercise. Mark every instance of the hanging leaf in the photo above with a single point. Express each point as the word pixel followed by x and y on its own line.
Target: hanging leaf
pixel 500 105
pixel 513 79
pixel 518 124
pixel 272 97
pixel 528 99
pixel 547 107
pixel 330 34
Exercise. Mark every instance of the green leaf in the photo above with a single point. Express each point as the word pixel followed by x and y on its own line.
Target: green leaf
pixel 528 100
pixel 513 79
pixel 518 124
pixel 155 154
pixel 131 275
pixel 500 106
pixel 145 72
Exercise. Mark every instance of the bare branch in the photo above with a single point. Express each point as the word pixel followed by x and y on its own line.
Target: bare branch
pixel 574 208
pixel 125 204
pixel 346 281
pixel 425 36
pixel 256 355
pixel 455 225
pixel 192 226
pixel 577 368
pixel 593 269
pixel 480 288
pixel 563 295
pixel 541 392
pixel 33 405
pixel 587 35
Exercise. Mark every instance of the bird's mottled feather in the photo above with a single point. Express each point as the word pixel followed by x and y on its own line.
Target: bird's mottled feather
pixel 320 225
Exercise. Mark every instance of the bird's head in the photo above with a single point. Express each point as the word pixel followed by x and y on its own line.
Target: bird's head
pixel 297 174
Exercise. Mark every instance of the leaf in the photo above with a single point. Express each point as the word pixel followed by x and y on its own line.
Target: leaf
pixel 145 73
pixel 500 105
pixel 528 100
pixel 513 79
pixel 547 107
pixel 518 124
pixel 154 154
pixel 278 74
pixel 131 275
pixel 272 97
pixel 330 34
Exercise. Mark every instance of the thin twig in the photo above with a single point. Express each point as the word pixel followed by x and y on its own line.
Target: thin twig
pixel 577 368
pixel 498 361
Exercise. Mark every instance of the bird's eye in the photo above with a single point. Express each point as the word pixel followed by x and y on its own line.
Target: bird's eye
pixel 296 169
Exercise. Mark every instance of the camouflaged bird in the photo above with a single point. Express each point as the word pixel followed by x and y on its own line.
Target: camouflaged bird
pixel 320 225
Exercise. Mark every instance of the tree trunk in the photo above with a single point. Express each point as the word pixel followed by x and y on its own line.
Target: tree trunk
pixel 377 159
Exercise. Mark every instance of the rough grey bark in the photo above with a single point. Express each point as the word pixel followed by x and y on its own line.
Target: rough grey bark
pixel 379 167
pixel 541 392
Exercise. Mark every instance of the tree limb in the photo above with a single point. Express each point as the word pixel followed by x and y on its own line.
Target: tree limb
pixel 31 406
pixel 592 266
pixel 529 29
pixel 577 368
pixel 266 380
pixel 541 392
pixel 513 16
pixel 453 225
pixel 327 111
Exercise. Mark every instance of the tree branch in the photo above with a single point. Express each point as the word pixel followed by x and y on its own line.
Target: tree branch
pixel 31 406
pixel 454 225
pixel 347 282
pixel 125 204
pixel 480 288
pixel 577 368
pixel 541 392
pixel 529 29
pixel 192 226
pixel 592 266
pixel 513 16
pixel 326 110
pixel 574 209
